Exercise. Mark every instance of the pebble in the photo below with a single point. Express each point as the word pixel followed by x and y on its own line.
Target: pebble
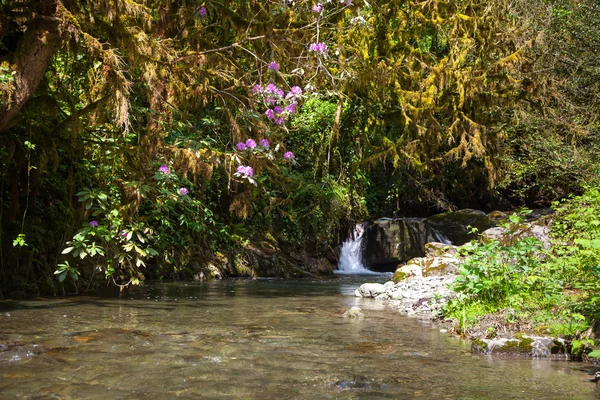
pixel 418 296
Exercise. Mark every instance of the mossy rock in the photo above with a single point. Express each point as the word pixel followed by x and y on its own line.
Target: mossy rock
pixel 399 276
pixel 455 224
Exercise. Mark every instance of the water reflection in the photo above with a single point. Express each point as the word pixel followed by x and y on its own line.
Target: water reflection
pixel 264 339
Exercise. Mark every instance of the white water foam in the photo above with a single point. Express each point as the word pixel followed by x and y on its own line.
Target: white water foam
pixel 351 255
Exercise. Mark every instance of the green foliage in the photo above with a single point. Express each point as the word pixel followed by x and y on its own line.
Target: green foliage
pixel 558 286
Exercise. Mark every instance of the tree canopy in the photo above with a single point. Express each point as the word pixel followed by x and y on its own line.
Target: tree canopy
pixel 158 137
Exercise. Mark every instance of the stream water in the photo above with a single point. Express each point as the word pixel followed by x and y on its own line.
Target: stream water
pixel 252 339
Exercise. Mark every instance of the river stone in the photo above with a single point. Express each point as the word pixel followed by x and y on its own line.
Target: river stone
pixel 455 224
pixel 437 249
pixel 369 290
pixel 388 242
pixel 531 346
pixel 504 236
pixel 354 312
pixel 428 266
pixel 411 268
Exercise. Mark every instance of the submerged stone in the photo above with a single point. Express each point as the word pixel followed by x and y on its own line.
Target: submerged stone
pixel 354 312
pixel 531 346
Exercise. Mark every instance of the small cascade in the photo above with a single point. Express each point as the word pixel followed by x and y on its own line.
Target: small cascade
pixel 440 237
pixel 351 254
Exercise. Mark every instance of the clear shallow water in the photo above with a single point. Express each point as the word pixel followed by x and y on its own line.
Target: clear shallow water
pixel 265 339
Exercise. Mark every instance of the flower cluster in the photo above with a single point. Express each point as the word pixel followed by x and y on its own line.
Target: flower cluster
pixel 251 144
pixel 318 8
pixel 288 156
pixel 318 47
pixel 245 170
pixel 163 170
pixel 281 105
pixel 94 223
pixel 273 66
pixel 201 11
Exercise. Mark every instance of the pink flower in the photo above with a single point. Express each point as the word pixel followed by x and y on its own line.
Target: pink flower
pixel 279 121
pixel 318 47
pixel 240 146
pixel 291 108
pixel 94 223
pixel 183 191
pixel 318 8
pixel 201 11
pixel 270 113
pixel 164 169
pixel 250 143
pixel 264 143
pixel 271 88
pixel 288 156
pixel 257 89
pixel 278 110
pixel 245 170
pixel 273 66
pixel 294 91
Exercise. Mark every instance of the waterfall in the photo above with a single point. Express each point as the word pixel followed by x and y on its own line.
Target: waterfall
pixel 351 254
pixel 440 237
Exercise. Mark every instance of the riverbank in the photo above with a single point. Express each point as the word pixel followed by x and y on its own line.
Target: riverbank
pixel 503 292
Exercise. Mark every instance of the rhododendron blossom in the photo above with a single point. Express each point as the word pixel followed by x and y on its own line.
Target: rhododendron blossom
pixel 318 47
pixel 318 8
pixel 250 143
pixel 273 66
pixel 94 223
pixel 270 113
pixel 264 143
pixel 294 91
pixel 288 155
pixel 183 191
pixel 201 11
pixel 241 146
pixel 245 170
pixel 279 121
pixel 291 108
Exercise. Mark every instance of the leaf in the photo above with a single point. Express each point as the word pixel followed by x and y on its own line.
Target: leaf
pixel 594 354
pixel 62 276
pixel 67 250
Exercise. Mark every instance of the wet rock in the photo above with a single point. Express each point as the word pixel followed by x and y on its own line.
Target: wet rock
pixel 354 312
pixel 455 224
pixel 531 346
pixel 369 290
pixel 355 383
pixel 388 242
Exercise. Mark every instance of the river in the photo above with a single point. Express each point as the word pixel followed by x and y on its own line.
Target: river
pixel 253 339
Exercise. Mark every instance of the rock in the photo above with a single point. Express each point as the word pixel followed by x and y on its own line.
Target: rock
pixel 387 242
pixel 369 290
pixel 454 224
pixel 497 216
pixel 427 266
pixel 354 312
pixel 412 268
pixel 531 346
pixel 528 229
pixel 437 249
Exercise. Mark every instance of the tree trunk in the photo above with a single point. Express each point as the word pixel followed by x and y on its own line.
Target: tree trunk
pixel 31 60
